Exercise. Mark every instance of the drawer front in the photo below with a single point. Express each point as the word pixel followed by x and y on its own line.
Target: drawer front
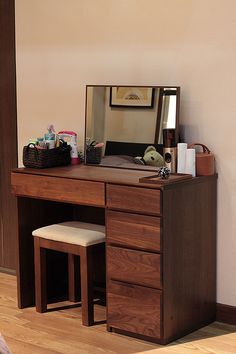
pixel 59 189
pixel 134 308
pixel 141 200
pixel 132 230
pixel 134 267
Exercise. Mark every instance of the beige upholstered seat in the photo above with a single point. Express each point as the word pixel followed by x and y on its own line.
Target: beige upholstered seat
pixel 76 239
pixel 73 232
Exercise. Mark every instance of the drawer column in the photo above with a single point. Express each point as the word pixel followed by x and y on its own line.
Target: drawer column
pixel 134 261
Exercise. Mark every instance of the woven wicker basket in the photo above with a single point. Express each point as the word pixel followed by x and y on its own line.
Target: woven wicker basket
pixel 43 158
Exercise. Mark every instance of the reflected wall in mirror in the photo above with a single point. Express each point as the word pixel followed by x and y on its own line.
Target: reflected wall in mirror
pixel 122 121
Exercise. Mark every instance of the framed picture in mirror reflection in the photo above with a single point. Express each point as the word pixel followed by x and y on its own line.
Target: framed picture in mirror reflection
pixel 127 96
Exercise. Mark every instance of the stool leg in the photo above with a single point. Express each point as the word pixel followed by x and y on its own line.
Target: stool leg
pixel 86 275
pixel 73 278
pixel 40 276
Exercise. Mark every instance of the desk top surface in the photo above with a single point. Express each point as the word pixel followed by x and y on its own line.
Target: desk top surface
pixel 104 174
pixel 89 173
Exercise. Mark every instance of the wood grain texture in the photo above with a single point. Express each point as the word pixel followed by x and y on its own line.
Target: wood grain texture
pixel 134 309
pixel 186 267
pixel 8 141
pixel 27 332
pixel 93 173
pixel 189 261
pixel 98 173
pixel 133 231
pixel 86 274
pixel 74 293
pixel 63 190
pixel 135 267
pixel 40 276
pixel 140 200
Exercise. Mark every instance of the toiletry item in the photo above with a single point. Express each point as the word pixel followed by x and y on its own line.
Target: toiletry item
pixel 50 137
pixel 181 157
pixel 40 142
pixel 169 149
pixel 190 165
pixel 49 143
pixel 71 138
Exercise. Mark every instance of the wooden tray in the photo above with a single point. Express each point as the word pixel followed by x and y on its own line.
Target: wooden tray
pixel 173 178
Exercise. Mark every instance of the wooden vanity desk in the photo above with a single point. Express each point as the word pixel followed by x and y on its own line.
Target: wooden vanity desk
pixel 160 243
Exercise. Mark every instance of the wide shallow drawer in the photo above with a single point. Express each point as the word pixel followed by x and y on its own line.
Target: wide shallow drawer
pixel 133 230
pixel 134 308
pixel 59 189
pixel 136 267
pixel 141 200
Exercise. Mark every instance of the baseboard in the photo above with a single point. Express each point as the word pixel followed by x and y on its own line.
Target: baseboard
pixel 226 313
pixel 7 270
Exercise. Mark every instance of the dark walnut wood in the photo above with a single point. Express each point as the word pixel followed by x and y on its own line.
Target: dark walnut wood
pixel 92 173
pixel 141 200
pixel 86 274
pixel 188 244
pixel 133 231
pixel 134 309
pixel 189 261
pixel 8 141
pixel 226 314
pixel 160 245
pixel 64 190
pixel 135 267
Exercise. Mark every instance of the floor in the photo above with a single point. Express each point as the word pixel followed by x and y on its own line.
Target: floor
pixel 28 332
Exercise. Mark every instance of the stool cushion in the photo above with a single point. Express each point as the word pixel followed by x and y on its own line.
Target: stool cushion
pixel 74 232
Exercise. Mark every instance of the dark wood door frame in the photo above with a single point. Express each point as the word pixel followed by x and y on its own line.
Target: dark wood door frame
pixel 8 139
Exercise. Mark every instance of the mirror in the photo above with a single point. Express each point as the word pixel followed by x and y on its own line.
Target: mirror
pixel 122 121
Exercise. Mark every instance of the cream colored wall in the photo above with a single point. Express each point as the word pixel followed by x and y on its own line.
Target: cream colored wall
pixel 63 45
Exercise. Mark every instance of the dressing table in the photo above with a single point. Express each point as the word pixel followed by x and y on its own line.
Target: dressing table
pixel 160 243
pixel 160 270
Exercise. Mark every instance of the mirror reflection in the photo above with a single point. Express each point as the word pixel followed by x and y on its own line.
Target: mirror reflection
pixel 122 122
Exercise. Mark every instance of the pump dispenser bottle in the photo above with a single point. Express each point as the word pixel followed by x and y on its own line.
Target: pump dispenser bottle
pixel 169 149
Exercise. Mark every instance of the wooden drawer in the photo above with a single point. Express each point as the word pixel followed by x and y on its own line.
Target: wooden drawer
pixel 59 189
pixel 134 267
pixel 141 200
pixel 134 308
pixel 133 230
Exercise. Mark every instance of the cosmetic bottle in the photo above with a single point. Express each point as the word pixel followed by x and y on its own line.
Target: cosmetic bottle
pixel 50 137
pixel 169 149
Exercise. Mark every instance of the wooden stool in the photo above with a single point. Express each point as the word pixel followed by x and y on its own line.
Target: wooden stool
pixel 76 239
